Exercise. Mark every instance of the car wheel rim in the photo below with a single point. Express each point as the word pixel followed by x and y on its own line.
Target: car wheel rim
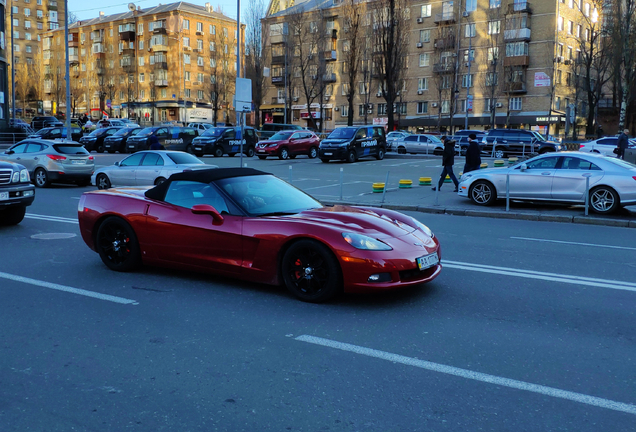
pixel 284 154
pixel 308 271
pixel 115 243
pixel 312 153
pixel 102 183
pixel 499 154
pixel 40 178
pixel 602 200
pixel 481 193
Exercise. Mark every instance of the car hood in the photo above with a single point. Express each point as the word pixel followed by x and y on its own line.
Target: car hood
pixel 334 141
pixel 270 142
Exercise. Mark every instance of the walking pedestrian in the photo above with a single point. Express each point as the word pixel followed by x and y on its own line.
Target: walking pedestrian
pixel 600 133
pixel 623 141
pixel 155 144
pixel 473 154
pixel 448 160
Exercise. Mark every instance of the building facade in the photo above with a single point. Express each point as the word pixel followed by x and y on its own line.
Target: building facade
pixel 173 62
pixel 475 63
pixel 5 54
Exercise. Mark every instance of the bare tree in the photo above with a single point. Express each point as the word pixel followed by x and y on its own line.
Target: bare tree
pixel 353 49
pixel 492 76
pixel 256 39
pixel 22 84
pixel 391 29
pixel 624 19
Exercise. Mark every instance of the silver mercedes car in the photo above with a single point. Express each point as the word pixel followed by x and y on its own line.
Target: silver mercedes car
pixel 557 177
pixel 146 168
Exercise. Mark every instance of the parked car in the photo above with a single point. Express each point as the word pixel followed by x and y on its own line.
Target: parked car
pixel 58 133
pixel 53 162
pixel 128 122
pixel 221 140
pixel 201 127
pixel 254 226
pixel 40 122
pixel 118 140
pixel 170 137
pixel 516 142
pixel 604 146
pixel 353 142
pixel 420 143
pixel 146 168
pixel 16 192
pixel 461 143
pixel 394 136
pixel 269 129
pixel 289 144
pixel 557 177
pixel 95 140
pixel 103 123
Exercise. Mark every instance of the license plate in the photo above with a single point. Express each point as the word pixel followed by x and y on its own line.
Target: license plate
pixel 131 146
pixel 4 196
pixel 427 261
pixel 260 150
pixel 77 161
pixel 197 148
pixel 328 154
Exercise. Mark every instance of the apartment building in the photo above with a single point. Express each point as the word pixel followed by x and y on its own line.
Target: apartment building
pixel 479 63
pixel 5 54
pixel 172 62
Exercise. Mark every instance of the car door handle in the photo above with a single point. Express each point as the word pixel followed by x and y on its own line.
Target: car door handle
pixel 546 173
pixel 35 158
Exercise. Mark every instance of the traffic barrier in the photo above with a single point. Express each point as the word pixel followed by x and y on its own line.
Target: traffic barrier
pixel 499 163
pixel 447 179
pixel 512 160
pixel 425 181
pixel 405 183
pixel 484 165
pixel 378 187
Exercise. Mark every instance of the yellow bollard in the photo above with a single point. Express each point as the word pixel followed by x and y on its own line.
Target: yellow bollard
pixel 484 165
pixel 499 163
pixel 378 187
pixel 512 160
pixel 425 181
pixel 447 179
pixel 405 183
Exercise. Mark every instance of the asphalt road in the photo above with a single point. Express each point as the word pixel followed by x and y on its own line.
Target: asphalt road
pixel 518 333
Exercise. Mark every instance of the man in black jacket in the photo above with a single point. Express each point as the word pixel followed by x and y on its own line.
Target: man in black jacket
pixel 473 154
pixel 623 141
pixel 448 160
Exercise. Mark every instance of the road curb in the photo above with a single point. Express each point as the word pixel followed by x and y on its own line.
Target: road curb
pixel 555 218
pixel 601 221
pixel 428 209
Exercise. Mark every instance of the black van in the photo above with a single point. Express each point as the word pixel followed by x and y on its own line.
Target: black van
pixel 170 137
pixel 221 140
pixel 353 142
pixel 508 142
pixel 269 129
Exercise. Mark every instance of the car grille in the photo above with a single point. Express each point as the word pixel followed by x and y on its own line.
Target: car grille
pixel 5 176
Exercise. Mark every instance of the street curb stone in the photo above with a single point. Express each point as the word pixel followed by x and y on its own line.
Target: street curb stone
pixel 427 209
pixel 632 224
pixel 601 221
pixel 456 212
pixel 555 218
pixel 400 207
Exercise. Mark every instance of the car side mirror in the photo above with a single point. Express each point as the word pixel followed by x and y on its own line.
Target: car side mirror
pixel 9 152
pixel 523 167
pixel 116 163
pixel 217 219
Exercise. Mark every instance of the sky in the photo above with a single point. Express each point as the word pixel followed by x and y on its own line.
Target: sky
pixel 85 10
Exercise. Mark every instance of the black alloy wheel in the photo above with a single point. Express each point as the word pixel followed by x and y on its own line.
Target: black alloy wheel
pixel 401 150
pixel 380 155
pixel 103 182
pixel 351 157
pixel 218 151
pixel 483 193
pixel 250 151
pixel 311 272
pixel 188 149
pixel 117 245
pixel 159 180
pixel 100 147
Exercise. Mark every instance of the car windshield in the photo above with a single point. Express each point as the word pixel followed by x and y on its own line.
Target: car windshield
pixel 42 132
pixel 146 132
pixel 342 133
pixel 215 132
pixel 98 132
pixel 538 136
pixel 434 138
pixel 266 195
pixel 183 158
pixel 121 132
pixel 280 136
pixel 70 149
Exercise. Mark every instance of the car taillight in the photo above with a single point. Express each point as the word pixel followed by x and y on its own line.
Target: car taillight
pixel 581 146
pixel 91 158
pixel 634 177
pixel 56 157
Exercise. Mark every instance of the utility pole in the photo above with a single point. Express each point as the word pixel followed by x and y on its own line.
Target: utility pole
pixel 285 114
pixel 12 71
pixel 470 81
pixel 68 74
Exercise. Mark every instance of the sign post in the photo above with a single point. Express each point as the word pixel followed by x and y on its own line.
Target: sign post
pixel 242 104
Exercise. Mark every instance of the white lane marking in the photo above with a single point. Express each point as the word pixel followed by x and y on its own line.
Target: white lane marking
pixel 68 289
pixel 334 185
pixel 530 274
pixel 472 375
pixel 573 243
pixel 51 218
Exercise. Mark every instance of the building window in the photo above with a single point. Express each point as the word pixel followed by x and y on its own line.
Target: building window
pixel 212 63
pixel 425 11
pixel 200 44
pixel 422 84
pixel 186 58
pixel 38 13
pixel 400 108
pixel 27 12
pixel 141 61
pixel 187 76
pixel 225 33
pixel 515 104
pixel 141 77
pixel 187 93
pixel 494 27
pixel 344 111
pixel 495 4
pixel 200 94
pixel 560 23
pixel 469 56
pixel 518 49
pixel 362 88
pixel 425 36
pixel 471 5
pixel 186 41
pixel 381 109
pixel 470 30
pixel 467 80
pixel 445 108
pixel 28 48
pixel 186 24
pixel 422 107
pixel 142 94
pixel 199 26
pixel 212 46
pixel 140 29
pixel 16 22
pixel 492 78
pixel 570 27
pixel 27 36
pixel 200 61
pixel 164 93
pixel 424 59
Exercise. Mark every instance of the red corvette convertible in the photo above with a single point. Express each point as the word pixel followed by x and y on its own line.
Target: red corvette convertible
pixel 248 224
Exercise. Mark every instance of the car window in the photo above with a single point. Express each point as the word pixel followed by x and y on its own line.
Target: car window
pixel 574 163
pixel 56 131
pixel 544 163
pixel 111 131
pixel 133 160
pixel 249 133
pixel 20 148
pixel 33 148
pixel 188 194
pixel 297 136
pixel 189 131
pixel 70 149
pixel 152 159
pixel 495 134
pixel 229 134
pixel 379 131
pixel 361 134
pixel 411 138
pixel 608 141
pixel 162 132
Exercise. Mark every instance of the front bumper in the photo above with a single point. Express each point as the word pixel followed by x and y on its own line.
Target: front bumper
pixel 21 194
pixel 203 147
pixel 267 151
pixel 133 146
pixel 332 153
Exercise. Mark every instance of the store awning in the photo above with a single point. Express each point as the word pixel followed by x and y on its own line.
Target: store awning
pixel 271 106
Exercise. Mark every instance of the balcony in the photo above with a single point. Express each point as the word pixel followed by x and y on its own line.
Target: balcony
pixel 519 7
pixel 329 77
pixel 160 48
pixel 127 35
pixel 159 28
pixel 128 52
pixel 522 60
pixel 516 87
pixel 73 58
pixel 445 17
pixel 278 80
pixel 276 39
pixel 279 59
pixel 129 68
pixel 443 68
pixel 161 65
pixel 98 48
pixel 161 83
pixel 96 37
pixel 330 55
pixel 517 34
pixel 445 43
pixel 75 73
pixel 47 86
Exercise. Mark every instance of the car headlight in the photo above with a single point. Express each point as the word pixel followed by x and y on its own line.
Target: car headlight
pixel 465 177
pixel 363 242
pixel 423 227
pixel 24 176
pixel 16 177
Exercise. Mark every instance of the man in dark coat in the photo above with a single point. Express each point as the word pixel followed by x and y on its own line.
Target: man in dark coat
pixel 600 133
pixel 623 141
pixel 154 143
pixel 473 154
pixel 448 160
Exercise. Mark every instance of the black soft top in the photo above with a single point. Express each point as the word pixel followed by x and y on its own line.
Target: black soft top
pixel 202 176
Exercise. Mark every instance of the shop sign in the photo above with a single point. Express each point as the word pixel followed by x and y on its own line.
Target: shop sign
pixel 305 115
pixel 380 120
pixel 541 79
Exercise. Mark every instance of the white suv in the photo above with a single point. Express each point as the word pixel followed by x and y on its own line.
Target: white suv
pixel 200 126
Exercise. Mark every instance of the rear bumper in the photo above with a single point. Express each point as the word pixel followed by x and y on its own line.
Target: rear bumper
pixel 62 177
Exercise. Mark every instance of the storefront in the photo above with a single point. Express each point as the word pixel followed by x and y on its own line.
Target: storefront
pixel 272 113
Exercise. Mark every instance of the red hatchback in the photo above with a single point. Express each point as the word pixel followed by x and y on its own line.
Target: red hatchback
pixel 289 144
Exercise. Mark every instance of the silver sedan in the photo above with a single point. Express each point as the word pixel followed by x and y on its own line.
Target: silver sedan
pixel 146 168
pixel 557 177
pixel 420 143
